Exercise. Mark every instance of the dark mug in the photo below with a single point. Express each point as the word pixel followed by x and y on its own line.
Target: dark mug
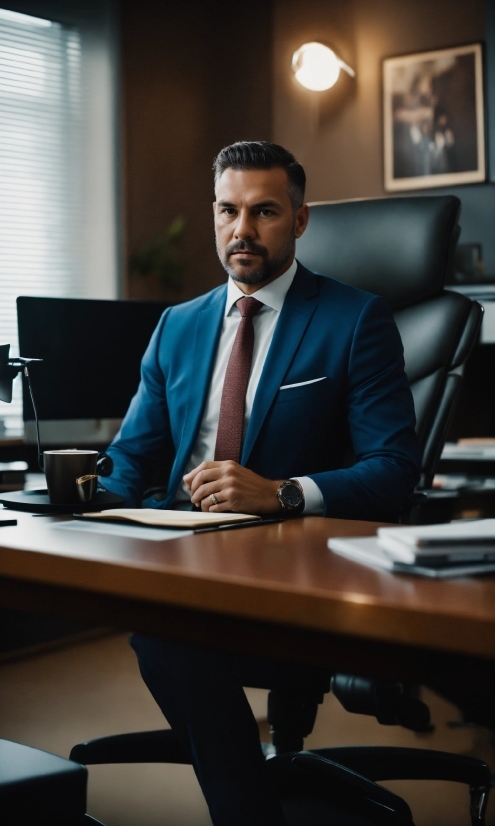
pixel 63 469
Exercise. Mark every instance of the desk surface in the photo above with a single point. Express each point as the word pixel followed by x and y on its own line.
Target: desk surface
pixel 279 575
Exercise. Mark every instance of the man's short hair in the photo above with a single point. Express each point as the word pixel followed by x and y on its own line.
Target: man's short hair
pixel 263 155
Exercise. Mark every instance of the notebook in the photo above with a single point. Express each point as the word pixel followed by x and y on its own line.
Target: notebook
pixel 368 552
pixel 157 518
pixel 457 541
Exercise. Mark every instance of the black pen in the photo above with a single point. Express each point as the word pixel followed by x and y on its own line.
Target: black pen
pixel 231 525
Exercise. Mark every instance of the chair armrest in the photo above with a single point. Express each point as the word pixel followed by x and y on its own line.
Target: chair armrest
pixel 391 763
pixel 357 792
pixel 395 763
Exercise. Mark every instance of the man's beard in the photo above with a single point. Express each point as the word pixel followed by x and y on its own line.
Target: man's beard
pixel 264 270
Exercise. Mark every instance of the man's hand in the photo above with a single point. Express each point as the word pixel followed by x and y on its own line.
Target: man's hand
pixel 235 487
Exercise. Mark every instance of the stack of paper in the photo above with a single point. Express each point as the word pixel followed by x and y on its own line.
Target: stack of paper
pixel 456 549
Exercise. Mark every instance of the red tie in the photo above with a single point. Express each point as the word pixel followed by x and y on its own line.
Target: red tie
pixel 231 418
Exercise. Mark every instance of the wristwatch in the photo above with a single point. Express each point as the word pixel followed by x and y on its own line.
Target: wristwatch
pixel 291 496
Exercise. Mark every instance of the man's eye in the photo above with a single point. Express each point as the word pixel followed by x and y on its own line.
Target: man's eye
pixel 266 212
pixel 228 211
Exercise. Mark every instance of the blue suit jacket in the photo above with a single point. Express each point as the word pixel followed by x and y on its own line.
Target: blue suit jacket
pixel 326 328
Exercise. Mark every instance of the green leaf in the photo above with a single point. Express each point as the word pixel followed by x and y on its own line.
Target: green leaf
pixel 161 257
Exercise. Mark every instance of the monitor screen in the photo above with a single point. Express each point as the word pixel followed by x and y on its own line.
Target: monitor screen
pixel 91 351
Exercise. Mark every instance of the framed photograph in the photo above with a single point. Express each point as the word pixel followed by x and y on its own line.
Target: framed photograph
pixel 434 132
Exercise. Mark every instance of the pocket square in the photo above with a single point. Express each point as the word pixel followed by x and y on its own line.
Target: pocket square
pixel 301 383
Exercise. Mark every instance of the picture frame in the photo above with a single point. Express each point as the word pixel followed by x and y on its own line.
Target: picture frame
pixel 433 119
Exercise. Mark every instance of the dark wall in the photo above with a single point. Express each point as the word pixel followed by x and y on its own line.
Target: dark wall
pixel 195 76
pixel 342 152
pixel 343 155
pixel 198 75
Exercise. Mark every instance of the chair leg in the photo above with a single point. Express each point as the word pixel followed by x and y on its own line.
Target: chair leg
pixel 291 715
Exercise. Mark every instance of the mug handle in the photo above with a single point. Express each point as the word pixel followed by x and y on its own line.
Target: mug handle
pixel 104 465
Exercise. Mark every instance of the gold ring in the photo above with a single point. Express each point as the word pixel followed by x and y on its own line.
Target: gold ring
pixel 214 499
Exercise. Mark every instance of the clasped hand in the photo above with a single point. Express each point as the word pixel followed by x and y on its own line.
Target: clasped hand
pixel 235 488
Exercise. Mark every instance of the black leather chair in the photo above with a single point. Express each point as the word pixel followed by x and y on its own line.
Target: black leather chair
pixel 401 248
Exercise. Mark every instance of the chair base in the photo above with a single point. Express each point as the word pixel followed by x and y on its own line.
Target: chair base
pixel 331 772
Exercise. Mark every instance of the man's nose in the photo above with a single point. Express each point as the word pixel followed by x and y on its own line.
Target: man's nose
pixel 244 227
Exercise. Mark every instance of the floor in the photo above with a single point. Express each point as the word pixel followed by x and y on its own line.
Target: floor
pixel 91 689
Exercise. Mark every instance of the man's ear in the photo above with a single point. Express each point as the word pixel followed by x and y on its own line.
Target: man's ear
pixel 301 220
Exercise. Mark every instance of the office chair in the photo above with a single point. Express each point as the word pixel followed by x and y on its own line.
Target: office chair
pixel 402 249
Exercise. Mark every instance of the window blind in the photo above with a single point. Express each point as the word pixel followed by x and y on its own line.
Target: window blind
pixel 40 172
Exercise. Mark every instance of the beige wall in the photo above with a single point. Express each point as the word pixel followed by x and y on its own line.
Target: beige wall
pixel 343 153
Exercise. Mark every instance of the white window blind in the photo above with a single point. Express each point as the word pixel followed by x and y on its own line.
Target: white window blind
pixel 40 172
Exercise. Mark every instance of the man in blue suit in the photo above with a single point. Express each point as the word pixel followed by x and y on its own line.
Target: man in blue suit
pixel 255 393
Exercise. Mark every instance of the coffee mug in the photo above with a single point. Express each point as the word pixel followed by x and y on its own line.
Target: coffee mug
pixel 70 475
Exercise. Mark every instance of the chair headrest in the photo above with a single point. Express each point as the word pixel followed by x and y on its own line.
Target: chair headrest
pixel 400 248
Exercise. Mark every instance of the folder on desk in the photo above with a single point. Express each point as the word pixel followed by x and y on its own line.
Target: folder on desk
pixel 440 551
pixel 157 518
pixel 464 539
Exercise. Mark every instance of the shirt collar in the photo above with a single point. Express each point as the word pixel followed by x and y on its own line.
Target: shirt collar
pixel 272 294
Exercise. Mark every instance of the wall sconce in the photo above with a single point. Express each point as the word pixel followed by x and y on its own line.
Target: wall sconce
pixel 317 67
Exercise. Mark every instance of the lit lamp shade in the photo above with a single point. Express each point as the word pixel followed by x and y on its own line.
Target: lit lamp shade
pixel 317 67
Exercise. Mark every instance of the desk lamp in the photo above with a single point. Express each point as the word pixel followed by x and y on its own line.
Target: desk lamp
pixel 9 369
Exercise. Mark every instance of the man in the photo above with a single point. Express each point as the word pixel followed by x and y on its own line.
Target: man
pixel 255 392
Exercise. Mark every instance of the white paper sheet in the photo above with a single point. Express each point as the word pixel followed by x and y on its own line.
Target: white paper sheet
pixel 126 531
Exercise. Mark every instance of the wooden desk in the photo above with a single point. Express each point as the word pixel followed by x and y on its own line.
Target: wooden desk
pixel 274 590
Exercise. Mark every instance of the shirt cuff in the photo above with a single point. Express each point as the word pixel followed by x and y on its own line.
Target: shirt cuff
pixel 314 504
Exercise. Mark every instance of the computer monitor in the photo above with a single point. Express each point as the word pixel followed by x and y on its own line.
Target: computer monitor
pixel 91 351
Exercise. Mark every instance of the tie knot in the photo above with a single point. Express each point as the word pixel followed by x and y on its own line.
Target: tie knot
pixel 248 307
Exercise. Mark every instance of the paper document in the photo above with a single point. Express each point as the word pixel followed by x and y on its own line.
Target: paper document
pixel 481 452
pixel 127 531
pixel 170 519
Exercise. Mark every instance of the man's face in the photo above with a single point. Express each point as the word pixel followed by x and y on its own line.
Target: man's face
pixel 255 225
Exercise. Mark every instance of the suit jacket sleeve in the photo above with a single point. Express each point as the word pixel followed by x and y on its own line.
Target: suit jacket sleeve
pixel 144 441
pixel 381 422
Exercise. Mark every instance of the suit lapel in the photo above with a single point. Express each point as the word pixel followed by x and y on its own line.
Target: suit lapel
pixel 206 336
pixel 299 306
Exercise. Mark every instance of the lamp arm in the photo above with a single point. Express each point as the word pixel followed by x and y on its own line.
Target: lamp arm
pixel 40 454
pixel 8 371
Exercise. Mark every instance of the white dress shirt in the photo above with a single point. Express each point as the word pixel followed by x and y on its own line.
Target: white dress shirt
pixel 272 297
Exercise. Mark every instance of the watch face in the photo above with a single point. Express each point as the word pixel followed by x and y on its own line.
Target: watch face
pixel 291 496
